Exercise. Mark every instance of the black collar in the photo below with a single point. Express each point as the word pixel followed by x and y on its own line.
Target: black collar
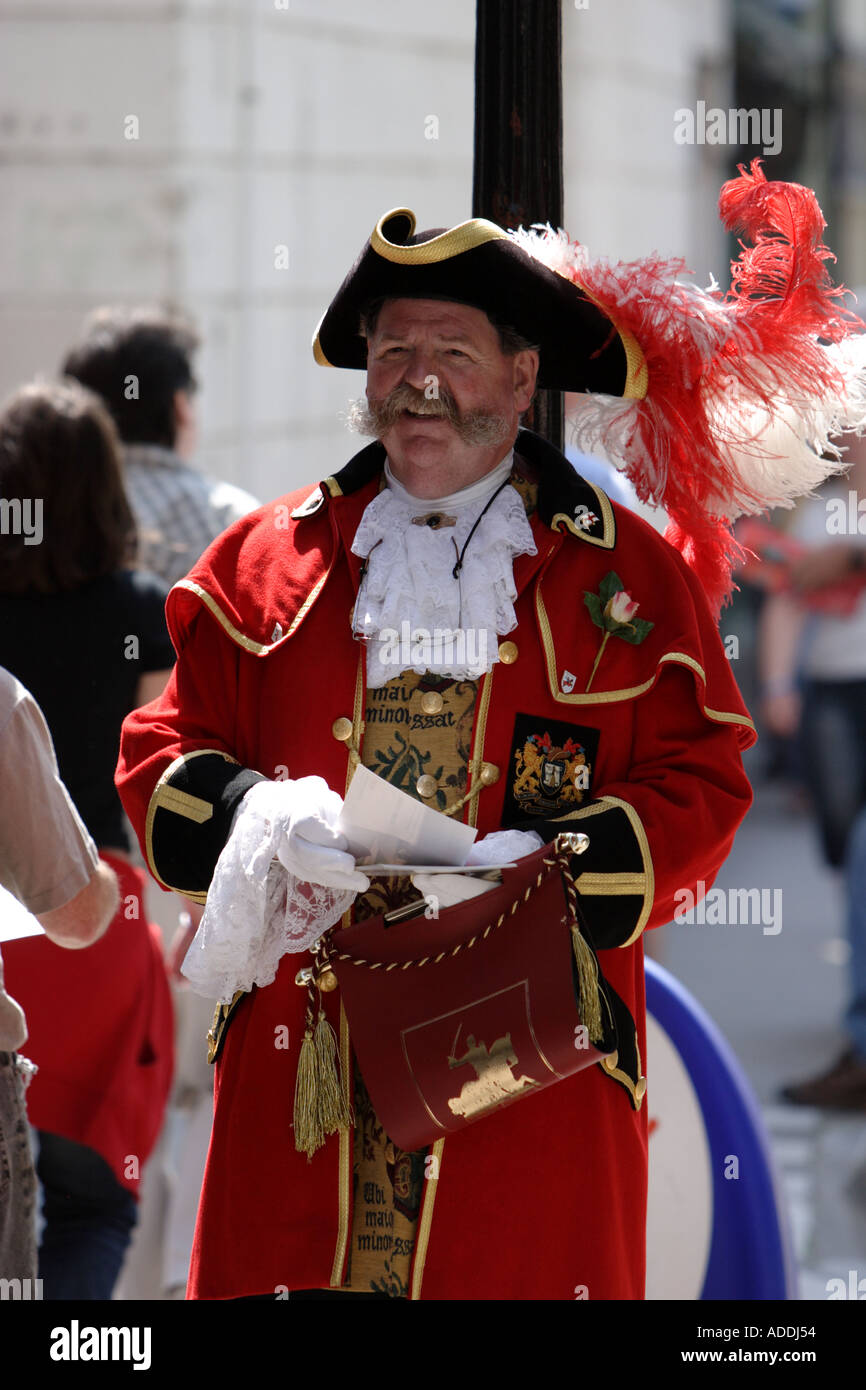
pixel 566 501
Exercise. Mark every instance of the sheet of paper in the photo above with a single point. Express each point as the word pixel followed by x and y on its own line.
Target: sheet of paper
pixel 385 826
pixel 15 920
pixel 373 869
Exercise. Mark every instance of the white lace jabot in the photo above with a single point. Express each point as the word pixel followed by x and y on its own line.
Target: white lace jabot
pixel 411 610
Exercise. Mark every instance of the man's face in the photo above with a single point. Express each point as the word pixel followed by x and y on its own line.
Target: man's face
pixel 446 355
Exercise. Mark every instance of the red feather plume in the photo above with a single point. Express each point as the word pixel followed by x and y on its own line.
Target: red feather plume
pixel 746 390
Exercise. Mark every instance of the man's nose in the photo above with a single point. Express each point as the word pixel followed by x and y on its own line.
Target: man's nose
pixel 420 366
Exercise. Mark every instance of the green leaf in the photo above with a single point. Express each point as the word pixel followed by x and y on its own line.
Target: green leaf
pixel 593 603
pixel 641 630
pixel 610 585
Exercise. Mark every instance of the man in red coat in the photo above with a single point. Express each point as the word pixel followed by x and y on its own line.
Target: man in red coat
pixel 572 712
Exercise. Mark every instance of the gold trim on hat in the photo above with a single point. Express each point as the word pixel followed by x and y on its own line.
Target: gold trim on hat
pixel 318 352
pixel 636 370
pixel 464 237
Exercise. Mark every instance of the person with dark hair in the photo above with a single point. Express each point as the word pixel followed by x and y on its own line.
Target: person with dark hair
pixel 86 634
pixel 47 429
pixel 140 364
pixel 813 655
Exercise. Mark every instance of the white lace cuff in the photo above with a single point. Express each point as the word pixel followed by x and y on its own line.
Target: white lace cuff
pixel 256 911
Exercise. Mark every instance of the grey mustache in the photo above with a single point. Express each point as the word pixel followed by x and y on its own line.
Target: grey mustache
pixel 374 418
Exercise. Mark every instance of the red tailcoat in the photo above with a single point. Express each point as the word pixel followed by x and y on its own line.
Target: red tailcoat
pixel 544 1199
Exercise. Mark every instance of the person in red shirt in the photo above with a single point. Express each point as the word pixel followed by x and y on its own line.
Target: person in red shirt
pixel 48 867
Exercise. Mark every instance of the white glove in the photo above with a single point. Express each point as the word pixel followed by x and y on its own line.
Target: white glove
pixel 446 890
pixel 499 847
pixel 503 846
pixel 283 879
pixel 309 846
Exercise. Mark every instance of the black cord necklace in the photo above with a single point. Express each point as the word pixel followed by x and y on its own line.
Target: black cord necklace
pixel 460 553
pixel 434 520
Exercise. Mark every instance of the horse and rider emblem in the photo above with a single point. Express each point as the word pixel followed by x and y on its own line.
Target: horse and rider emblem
pixel 479 1056
pixel 494 1080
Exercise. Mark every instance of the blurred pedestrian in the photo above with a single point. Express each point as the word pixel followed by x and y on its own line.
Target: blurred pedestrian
pixel 141 365
pixel 85 632
pixel 814 692
pixel 49 864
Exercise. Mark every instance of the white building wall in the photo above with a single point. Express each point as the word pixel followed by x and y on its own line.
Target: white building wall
pixel 630 189
pixel 262 126
pixel 259 127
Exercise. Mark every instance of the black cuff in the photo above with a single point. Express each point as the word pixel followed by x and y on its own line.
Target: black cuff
pixel 614 874
pixel 190 817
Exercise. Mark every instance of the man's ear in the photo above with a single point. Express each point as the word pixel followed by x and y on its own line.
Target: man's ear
pixel 185 424
pixel 183 411
pixel 525 373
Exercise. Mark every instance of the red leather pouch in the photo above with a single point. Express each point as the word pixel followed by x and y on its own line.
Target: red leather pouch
pixel 491 1001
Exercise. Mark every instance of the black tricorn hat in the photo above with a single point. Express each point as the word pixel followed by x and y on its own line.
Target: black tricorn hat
pixel 479 264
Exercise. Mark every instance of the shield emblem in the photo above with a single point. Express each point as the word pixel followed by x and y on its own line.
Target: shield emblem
pixel 551 765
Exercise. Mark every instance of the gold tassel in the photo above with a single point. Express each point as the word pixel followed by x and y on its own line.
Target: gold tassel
pixel 309 1134
pixel 587 974
pixel 334 1110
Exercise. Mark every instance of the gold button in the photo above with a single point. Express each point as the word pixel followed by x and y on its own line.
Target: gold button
pixel 426 786
pixel 640 1090
pixel 610 1063
pixel 508 652
pixel 327 981
pixel 431 703
pixel 489 774
pixel 342 729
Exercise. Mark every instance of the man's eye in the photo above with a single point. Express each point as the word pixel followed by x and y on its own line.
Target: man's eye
pixel 456 352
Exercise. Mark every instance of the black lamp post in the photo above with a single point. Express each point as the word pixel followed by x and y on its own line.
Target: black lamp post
pixel 518 133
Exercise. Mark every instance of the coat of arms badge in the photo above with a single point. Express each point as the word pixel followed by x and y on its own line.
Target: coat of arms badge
pixel 550 777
